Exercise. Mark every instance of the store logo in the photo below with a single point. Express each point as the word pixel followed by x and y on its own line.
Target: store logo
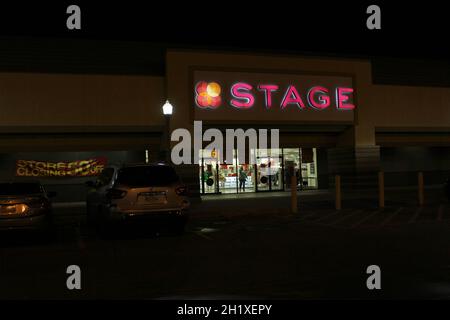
pixel 208 95
pixel 243 96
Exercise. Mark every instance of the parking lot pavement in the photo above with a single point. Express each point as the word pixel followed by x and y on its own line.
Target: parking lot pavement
pixel 72 224
pixel 317 253
pixel 71 220
pixel 387 217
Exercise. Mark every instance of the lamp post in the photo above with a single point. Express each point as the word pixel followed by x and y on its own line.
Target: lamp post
pixel 167 109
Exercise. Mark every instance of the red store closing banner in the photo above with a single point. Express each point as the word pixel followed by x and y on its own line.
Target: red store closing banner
pixel 78 168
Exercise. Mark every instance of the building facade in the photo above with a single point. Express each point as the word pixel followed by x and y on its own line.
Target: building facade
pixel 332 119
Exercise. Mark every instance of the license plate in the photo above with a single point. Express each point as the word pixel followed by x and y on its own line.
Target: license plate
pixel 156 198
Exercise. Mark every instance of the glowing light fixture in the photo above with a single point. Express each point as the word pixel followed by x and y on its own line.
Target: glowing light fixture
pixel 167 108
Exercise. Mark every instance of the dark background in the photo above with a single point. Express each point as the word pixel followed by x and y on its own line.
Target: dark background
pixel 409 29
pixel 131 37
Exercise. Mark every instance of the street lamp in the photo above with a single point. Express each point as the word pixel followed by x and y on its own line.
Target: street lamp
pixel 167 109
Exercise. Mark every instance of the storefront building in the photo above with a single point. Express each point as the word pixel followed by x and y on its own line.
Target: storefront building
pixel 332 119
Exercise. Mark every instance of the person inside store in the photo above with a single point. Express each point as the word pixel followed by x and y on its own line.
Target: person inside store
pixel 208 178
pixel 274 178
pixel 287 177
pixel 288 173
pixel 298 174
pixel 242 180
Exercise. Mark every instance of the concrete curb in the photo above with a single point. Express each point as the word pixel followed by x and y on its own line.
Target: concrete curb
pixel 231 215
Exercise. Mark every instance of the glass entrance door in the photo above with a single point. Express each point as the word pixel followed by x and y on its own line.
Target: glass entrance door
pixel 246 178
pixel 209 168
pixel 291 165
pixel 228 176
pixel 223 177
pixel 245 174
pixel 269 171
pixel 308 168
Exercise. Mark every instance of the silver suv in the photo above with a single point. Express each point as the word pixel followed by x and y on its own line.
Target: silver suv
pixel 136 193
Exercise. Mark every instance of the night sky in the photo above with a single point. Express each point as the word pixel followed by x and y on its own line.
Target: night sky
pixel 409 30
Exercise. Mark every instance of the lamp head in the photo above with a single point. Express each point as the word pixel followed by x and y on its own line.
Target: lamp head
pixel 167 108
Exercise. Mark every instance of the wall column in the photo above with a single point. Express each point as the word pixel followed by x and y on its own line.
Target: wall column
pixel 356 158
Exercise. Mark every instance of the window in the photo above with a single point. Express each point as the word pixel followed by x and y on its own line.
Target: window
pixel 105 177
pixel 147 176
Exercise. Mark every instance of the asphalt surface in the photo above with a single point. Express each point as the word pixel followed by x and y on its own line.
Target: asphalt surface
pixel 257 251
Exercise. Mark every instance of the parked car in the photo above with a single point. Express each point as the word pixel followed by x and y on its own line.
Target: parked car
pixel 25 206
pixel 138 193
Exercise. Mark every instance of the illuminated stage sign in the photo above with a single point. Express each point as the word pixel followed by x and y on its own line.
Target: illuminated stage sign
pixel 79 168
pixel 208 96
pixel 252 96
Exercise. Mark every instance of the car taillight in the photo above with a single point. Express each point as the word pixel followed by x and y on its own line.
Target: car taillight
pixel 116 194
pixel 182 191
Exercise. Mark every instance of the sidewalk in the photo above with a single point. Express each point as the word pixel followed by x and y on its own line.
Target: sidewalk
pixel 263 195
pixel 278 203
pixel 313 194
pixel 227 206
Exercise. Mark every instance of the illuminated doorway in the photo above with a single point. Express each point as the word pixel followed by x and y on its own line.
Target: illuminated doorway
pixel 269 170
pixel 272 171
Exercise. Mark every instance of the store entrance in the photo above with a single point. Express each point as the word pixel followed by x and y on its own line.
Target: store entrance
pixel 271 172
pixel 303 163
pixel 217 177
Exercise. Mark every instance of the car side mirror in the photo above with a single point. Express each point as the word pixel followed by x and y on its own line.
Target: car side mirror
pixel 52 194
pixel 90 184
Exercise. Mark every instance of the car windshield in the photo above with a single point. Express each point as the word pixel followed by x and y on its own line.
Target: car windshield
pixel 13 189
pixel 147 176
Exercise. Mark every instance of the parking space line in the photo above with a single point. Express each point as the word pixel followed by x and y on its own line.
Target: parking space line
pixel 309 215
pixel 328 216
pixel 440 212
pixel 351 214
pixel 392 216
pixel 203 236
pixel 364 219
pixel 416 215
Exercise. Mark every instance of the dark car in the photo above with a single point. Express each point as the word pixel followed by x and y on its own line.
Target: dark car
pixel 25 206
pixel 138 193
